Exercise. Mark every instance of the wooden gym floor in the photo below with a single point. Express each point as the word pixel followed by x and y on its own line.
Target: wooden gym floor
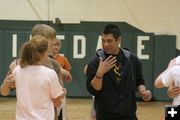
pixel 79 109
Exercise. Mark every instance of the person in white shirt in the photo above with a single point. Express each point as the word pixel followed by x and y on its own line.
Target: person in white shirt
pixel 37 87
pixel 173 91
pixel 170 77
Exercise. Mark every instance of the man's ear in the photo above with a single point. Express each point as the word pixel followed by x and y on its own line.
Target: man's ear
pixel 119 39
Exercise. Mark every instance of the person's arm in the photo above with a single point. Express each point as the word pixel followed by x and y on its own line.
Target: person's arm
pixel 104 66
pixel 58 69
pixel 7 85
pixel 66 75
pixel 158 82
pixel 67 67
pixel 57 101
pixel 9 82
pixel 173 91
pixel 13 65
pixel 165 79
pixel 146 94
pixel 140 82
pixel 57 92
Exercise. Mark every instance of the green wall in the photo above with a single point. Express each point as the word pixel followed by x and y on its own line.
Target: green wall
pixel 164 51
pixel 89 32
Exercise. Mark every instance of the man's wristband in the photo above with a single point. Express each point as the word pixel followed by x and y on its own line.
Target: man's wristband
pixel 98 77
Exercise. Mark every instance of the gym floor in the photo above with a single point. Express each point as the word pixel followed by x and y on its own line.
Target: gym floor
pixel 79 109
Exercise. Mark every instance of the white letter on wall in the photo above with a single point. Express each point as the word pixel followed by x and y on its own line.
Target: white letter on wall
pixel 14 45
pixel 61 37
pixel 82 39
pixel 140 47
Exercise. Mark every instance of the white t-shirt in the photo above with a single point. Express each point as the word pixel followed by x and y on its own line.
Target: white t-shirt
pixel 35 88
pixel 178 59
pixel 170 75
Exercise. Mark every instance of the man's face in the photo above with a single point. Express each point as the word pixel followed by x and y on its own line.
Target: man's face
pixel 110 45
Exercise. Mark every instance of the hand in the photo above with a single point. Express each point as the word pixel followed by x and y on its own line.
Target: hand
pixel 106 65
pixel 173 91
pixel 146 95
pixel 68 77
pixel 13 65
pixel 10 81
pixel 64 92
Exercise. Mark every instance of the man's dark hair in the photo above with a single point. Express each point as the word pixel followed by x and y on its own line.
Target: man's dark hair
pixel 112 29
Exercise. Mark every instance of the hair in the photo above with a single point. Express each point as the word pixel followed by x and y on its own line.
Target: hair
pixel 112 29
pixel 31 51
pixel 44 30
pixel 58 41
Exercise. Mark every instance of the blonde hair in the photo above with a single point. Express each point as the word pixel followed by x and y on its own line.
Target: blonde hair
pixel 58 41
pixel 44 30
pixel 31 51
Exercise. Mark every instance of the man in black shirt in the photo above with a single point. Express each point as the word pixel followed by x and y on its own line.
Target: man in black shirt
pixel 113 76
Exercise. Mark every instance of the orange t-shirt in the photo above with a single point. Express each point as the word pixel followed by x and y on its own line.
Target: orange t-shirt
pixel 63 61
